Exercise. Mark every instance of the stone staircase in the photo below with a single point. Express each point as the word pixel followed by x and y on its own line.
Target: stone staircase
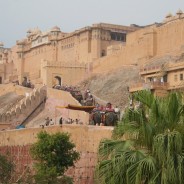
pixel 18 113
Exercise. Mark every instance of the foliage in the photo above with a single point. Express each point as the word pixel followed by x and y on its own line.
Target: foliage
pixel 147 147
pixel 6 168
pixel 65 180
pixel 53 154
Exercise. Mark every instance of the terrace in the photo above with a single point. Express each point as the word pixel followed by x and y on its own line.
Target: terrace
pixel 148 85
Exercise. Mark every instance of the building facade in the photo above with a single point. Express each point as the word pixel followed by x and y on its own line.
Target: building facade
pixel 66 58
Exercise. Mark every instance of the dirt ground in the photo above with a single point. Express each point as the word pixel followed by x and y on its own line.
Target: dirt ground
pixel 113 86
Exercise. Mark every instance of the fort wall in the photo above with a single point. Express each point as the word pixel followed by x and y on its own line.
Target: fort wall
pixel 90 45
pixel 86 139
pixel 6 88
pixel 170 36
pixel 145 44
pixel 71 49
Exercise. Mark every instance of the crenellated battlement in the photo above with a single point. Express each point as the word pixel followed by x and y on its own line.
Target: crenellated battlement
pixel 17 114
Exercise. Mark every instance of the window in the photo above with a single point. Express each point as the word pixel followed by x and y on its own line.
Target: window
pixel 181 76
pixel 118 36
pixel 1 57
pixel 175 78
pixel 165 78
pixel 150 79
pixel 39 40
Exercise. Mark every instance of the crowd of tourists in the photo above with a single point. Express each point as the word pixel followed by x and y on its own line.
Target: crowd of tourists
pixel 49 122
pixel 107 108
pixel 86 98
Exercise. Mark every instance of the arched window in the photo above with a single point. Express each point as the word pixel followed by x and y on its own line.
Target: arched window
pixel 59 80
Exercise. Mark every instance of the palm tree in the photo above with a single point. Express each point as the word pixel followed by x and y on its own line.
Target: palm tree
pixel 147 146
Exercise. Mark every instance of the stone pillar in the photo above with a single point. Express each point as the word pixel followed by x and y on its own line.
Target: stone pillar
pixel 44 71
pixel 20 67
pixel 96 44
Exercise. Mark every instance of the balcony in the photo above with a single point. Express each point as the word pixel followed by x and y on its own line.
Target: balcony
pixel 150 69
pixel 149 85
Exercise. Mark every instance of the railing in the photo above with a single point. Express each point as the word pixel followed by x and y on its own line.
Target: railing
pixel 147 69
pixel 148 85
pixel 159 84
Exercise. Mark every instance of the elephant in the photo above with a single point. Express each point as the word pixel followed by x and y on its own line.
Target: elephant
pixel 96 117
pixel 77 95
pixel 111 119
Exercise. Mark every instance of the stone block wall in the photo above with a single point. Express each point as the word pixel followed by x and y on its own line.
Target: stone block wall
pixel 86 138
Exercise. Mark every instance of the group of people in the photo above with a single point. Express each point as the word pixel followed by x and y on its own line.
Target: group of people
pixel 107 108
pixel 65 87
pixel 25 83
pixel 48 122
pixel 70 121
pixel 85 99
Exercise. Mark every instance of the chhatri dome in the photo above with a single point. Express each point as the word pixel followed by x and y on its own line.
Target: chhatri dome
pixel 55 29
pixel 179 12
pixel 168 15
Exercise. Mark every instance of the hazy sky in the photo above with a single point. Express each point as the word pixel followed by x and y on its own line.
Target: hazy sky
pixel 17 16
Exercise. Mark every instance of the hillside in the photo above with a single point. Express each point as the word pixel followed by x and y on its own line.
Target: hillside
pixel 112 86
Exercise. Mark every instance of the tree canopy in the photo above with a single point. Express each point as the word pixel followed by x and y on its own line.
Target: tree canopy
pixel 147 146
pixel 53 153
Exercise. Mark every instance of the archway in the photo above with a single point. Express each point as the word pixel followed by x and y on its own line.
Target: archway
pixel 1 80
pixel 58 79
pixel 103 53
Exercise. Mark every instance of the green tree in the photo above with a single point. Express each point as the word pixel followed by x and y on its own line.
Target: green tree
pixel 147 147
pixel 53 154
pixel 6 168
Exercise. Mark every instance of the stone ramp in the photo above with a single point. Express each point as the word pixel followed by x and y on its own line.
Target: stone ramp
pixel 48 111
pixel 17 106
pixel 8 101
pixel 57 98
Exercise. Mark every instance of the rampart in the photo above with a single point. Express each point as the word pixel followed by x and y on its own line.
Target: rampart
pixel 145 44
pixel 22 109
pixel 5 88
pixel 86 138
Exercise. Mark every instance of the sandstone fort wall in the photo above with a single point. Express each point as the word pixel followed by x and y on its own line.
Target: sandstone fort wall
pixel 86 138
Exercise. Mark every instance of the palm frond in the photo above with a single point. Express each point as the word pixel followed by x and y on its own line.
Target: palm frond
pixel 147 146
